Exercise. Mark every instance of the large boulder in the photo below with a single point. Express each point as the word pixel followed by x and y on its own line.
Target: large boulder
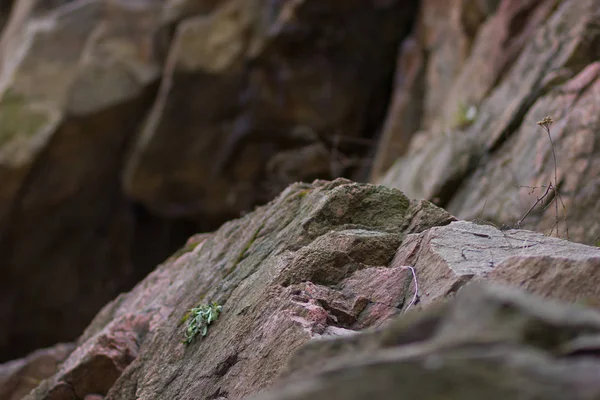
pixel 448 257
pixel 314 262
pixel 323 260
pixel 490 342
pixel 126 126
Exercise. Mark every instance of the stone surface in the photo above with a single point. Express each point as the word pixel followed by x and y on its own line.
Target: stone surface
pixel 126 126
pixel 447 30
pixel 446 258
pixel 313 262
pixel 496 46
pixel 5 8
pixel 429 62
pixel 19 377
pixel 515 175
pixel 75 81
pixel 254 83
pixel 327 260
pixel 476 170
pixel 489 342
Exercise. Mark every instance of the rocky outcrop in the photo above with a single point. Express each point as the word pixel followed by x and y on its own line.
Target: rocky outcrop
pixel 313 262
pixel 489 342
pixel 252 82
pixel 325 260
pixel 126 126
pixel 75 82
pixel 484 156
pixel 19 377
pixel 448 257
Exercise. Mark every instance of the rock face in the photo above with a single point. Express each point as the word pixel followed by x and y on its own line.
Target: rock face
pixel 480 152
pixel 69 103
pixel 489 342
pixel 125 126
pixel 328 260
pixel 19 377
pixel 313 262
pixel 250 81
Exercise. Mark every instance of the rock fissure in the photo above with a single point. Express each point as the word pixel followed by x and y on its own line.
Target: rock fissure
pixel 125 129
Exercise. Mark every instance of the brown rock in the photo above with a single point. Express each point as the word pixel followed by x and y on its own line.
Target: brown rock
pixel 93 397
pixel 325 261
pixel 243 81
pixel 429 62
pixel 476 171
pixel 72 89
pixel 514 176
pixel 405 111
pixel 567 279
pixel 241 84
pixel 498 43
pixel 448 30
pixel 4 12
pixel 445 258
pixel 489 342
pixel 96 364
pixel 19 377
pixel 176 10
pixel 311 263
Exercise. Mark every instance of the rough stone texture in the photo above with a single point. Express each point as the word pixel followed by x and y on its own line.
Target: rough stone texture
pixel 498 43
pixel 104 175
pixel 313 262
pixel 503 188
pixel 475 171
pixel 256 94
pixel 446 258
pixel 329 260
pixel 19 377
pixel 447 30
pixel 489 342
pixel 568 279
pixel 252 82
pixel 177 10
pixel 78 80
pixel 438 57
pixel 97 362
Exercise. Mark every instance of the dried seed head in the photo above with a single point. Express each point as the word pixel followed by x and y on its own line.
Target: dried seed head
pixel 545 122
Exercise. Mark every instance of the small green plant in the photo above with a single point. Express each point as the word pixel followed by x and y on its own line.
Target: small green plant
pixel 198 319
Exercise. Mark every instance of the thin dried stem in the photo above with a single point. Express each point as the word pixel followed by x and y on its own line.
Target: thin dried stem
pixel 545 123
pixel 546 127
pixel 539 199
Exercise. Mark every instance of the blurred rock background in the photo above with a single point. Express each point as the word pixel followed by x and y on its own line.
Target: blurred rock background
pixel 128 125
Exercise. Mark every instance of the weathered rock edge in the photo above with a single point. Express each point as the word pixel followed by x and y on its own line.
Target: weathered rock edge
pixel 321 260
pixel 315 261
pixel 490 342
